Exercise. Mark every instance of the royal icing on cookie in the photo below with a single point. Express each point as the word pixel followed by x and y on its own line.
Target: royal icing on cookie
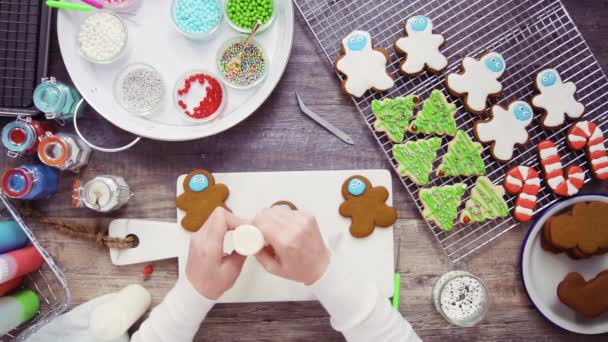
pixel 553 171
pixel 363 65
pixel 393 115
pixel 463 158
pixel 486 202
pixel 441 204
pixel 421 47
pixel 505 128
pixel 586 134
pixel 477 81
pixel 415 159
pixel 523 181
pixel 556 99
pixel 436 116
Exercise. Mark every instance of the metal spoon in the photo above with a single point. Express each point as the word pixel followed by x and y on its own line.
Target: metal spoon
pixel 237 60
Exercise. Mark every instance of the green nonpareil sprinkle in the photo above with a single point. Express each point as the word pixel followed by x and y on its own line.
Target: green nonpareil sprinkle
pixel 416 158
pixel 463 157
pixel 393 115
pixel 436 116
pixel 441 204
pixel 245 13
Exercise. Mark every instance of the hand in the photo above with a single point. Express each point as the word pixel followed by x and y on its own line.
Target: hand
pixel 296 250
pixel 207 269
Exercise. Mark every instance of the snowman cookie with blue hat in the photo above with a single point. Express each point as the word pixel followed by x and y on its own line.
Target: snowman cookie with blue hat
pixel 556 99
pixel 421 47
pixel 363 65
pixel 477 81
pixel 506 128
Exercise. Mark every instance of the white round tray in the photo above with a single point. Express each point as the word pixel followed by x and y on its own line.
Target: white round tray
pixel 153 39
pixel 542 271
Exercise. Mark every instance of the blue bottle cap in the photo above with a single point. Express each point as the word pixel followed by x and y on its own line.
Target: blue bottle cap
pixel 18 136
pixel 16 182
pixel 49 97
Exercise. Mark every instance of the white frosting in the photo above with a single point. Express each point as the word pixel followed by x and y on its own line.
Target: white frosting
pixel 577 175
pixel 533 181
pixel 477 81
pixel 514 181
pixel 523 170
pixel 596 147
pixel 522 210
pixel 505 128
pixel 548 152
pixel 553 167
pixel 421 47
pixel 597 133
pixel 365 68
pixel 527 197
pixel 556 99
pixel 555 182
pixel 576 138
pixel 571 188
pixel 600 160
pixel 601 171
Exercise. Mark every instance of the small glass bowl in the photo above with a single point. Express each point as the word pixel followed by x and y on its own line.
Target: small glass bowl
pixel 118 55
pixel 438 289
pixel 197 35
pixel 120 6
pixel 118 88
pixel 220 52
pixel 176 97
pixel 263 28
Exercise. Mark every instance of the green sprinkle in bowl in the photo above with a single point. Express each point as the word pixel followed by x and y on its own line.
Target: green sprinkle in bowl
pixel 228 80
pixel 241 29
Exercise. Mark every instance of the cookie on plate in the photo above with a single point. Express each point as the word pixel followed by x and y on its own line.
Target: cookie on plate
pixel 588 298
pixel 393 115
pixel 200 198
pixel 436 116
pixel 415 159
pixel 441 204
pixel 555 99
pixel 463 158
pixel 486 202
pixel 421 47
pixel 363 65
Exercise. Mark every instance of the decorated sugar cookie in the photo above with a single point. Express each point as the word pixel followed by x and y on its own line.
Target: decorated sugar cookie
pixel 200 198
pixel 586 134
pixel 436 116
pixel 486 202
pixel 506 128
pixel 421 47
pixel 562 182
pixel 524 182
pixel 477 81
pixel 363 65
pixel 416 158
pixel 463 158
pixel 441 204
pixel 393 115
pixel 556 99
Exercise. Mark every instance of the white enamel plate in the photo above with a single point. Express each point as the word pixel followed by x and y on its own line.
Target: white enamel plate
pixel 154 40
pixel 542 271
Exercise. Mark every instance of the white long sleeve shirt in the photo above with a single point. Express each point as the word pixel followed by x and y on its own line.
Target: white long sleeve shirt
pixel 356 308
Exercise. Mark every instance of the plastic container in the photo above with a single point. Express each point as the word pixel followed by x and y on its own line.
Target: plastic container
pixel 109 59
pixel 121 5
pixel 56 99
pixel 226 79
pixel 262 28
pixel 461 298
pixel 180 100
pixel 197 35
pixel 140 110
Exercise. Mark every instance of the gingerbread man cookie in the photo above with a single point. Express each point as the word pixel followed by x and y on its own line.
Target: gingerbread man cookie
pixel 588 298
pixel 421 47
pixel 201 196
pixel 363 65
pixel 366 206
pixel 477 81
pixel 556 99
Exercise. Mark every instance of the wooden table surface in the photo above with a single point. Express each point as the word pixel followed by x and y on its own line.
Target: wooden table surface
pixel 278 137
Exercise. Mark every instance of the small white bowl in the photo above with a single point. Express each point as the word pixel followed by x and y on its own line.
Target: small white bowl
pixel 119 54
pixel 118 88
pixel 220 52
pixel 180 83
pixel 263 28
pixel 197 35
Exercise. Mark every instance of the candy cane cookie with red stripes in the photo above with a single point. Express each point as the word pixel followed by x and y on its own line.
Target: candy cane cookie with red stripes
pixel 553 170
pixel 587 134
pixel 524 182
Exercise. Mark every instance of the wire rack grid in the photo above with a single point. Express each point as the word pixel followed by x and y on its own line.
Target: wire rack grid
pixel 24 36
pixel 530 34
pixel 48 282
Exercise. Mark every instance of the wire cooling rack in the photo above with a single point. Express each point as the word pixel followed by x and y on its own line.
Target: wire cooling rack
pixel 530 34
pixel 48 282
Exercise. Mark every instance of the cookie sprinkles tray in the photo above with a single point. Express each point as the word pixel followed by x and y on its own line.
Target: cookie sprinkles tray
pixel 531 35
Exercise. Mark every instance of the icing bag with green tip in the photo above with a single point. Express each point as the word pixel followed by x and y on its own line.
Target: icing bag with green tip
pixel 17 308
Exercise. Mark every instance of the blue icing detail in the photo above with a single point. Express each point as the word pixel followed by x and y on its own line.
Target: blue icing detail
pixel 356 187
pixel 357 42
pixel 420 23
pixel 549 78
pixel 495 64
pixel 522 111
pixel 198 183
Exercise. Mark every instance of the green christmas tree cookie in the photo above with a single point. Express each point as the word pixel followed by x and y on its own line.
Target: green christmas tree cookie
pixel 486 202
pixel 436 116
pixel 463 158
pixel 416 158
pixel 393 115
pixel 441 204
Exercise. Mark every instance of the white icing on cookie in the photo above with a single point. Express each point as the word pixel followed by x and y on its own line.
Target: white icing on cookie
pixel 421 46
pixel 479 80
pixel 364 67
pixel 505 128
pixel 556 99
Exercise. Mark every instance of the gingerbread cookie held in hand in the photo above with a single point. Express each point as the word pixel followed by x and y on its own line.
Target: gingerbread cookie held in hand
pixel 366 206
pixel 201 196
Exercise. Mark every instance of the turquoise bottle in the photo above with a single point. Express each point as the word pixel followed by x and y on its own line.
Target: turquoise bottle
pixel 56 99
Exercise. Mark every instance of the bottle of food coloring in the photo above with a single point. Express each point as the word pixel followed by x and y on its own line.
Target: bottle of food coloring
pixel 21 137
pixel 56 99
pixel 30 182
pixel 64 151
pixel 17 308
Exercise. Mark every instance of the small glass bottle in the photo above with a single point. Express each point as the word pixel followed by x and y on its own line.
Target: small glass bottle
pixel 103 193
pixel 461 298
pixel 56 99
pixel 21 137
pixel 30 182
pixel 64 151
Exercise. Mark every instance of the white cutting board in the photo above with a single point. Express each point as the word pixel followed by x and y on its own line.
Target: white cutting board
pixel 318 192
